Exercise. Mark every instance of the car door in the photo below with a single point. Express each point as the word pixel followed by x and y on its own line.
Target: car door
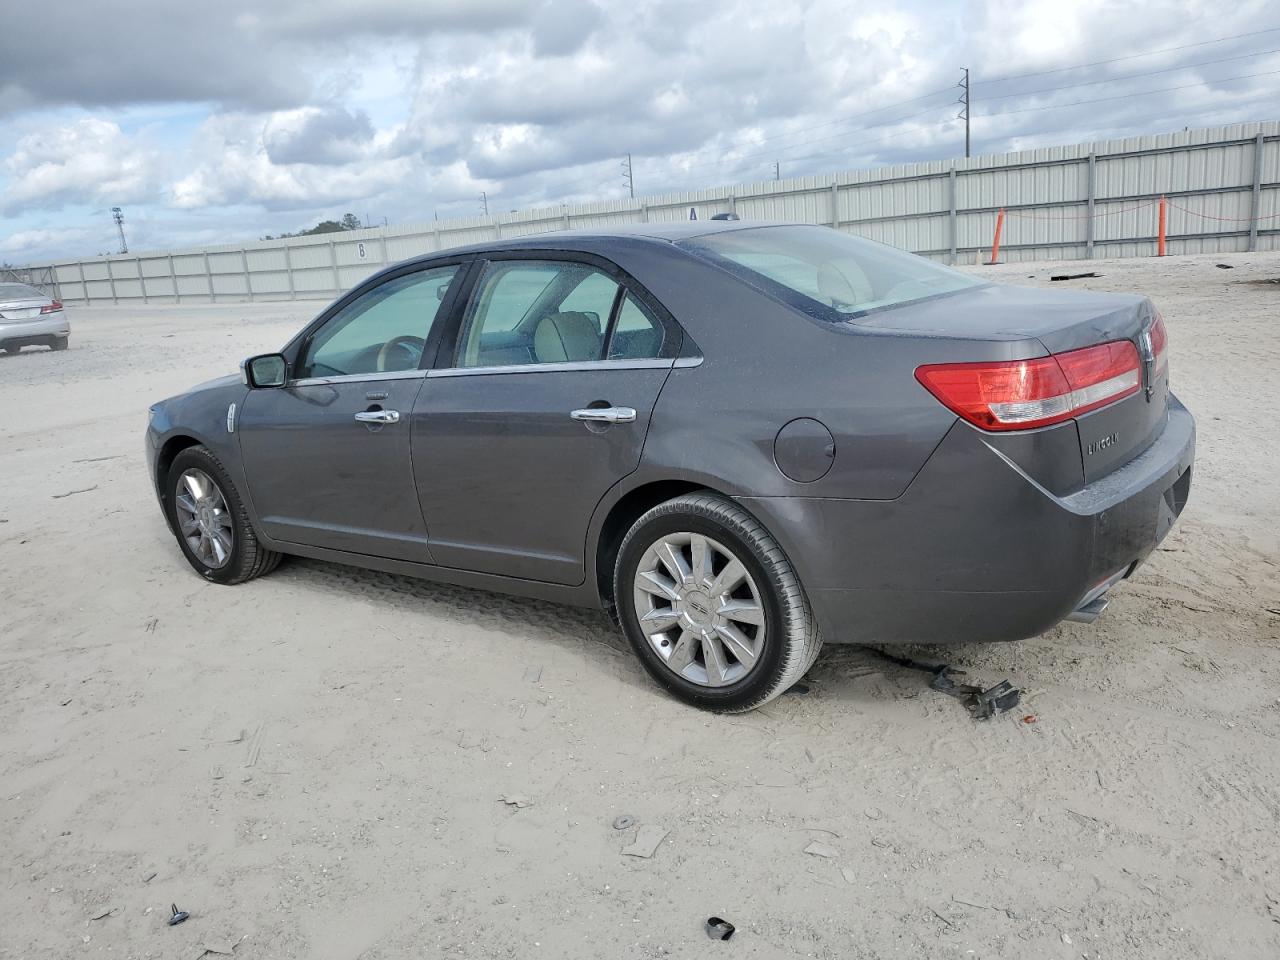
pixel 542 406
pixel 327 455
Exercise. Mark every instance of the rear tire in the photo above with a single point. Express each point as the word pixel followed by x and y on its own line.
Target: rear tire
pixel 60 344
pixel 12 349
pixel 718 636
pixel 211 524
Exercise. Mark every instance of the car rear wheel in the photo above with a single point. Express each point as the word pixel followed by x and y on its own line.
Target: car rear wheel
pixel 60 343
pixel 711 604
pixel 209 519
pixel 12 349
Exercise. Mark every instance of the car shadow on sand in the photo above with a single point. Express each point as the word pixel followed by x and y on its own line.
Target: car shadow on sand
pixel 843 672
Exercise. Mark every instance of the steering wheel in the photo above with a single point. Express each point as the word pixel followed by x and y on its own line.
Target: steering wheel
pixel 411 347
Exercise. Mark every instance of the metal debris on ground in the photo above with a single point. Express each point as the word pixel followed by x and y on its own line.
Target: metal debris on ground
pixel 178 916
pixel 719 928
pixel 1074 276
pixel 648 839
pixel 1030 718
pixel 624 822
pixel 982 704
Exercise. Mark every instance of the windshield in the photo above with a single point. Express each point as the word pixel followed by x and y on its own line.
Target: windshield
pixel 829 275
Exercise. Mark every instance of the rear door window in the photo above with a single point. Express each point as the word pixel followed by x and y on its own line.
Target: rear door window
pixel 528 312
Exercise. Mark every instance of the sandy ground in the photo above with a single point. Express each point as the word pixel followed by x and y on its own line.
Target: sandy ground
pixel 313 764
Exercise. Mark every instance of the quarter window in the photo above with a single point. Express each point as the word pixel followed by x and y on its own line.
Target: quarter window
pixel 636 335
pixel 383 331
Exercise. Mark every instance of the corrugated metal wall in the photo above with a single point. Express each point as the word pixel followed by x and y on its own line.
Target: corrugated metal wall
pixel 1088 200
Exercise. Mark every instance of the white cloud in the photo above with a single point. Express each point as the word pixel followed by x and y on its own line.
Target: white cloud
pixel 87 161
pixel 237 166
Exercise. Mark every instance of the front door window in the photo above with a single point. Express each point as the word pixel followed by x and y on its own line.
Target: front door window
pixel 383 331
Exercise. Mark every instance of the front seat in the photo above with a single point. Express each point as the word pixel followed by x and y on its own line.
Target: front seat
pixel 566 338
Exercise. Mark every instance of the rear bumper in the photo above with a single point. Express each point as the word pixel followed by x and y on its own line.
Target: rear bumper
pixel 41 330
pixel 975 549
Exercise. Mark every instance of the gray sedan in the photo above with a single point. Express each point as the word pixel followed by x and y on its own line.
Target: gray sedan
pixel 742 440
pixel 31 318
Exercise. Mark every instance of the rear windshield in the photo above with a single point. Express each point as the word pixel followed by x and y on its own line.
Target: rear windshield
pixel 19 291
pixel 828 274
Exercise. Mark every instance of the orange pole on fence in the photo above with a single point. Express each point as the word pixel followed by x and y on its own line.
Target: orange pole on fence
pixel 995 242
pixel 1160 236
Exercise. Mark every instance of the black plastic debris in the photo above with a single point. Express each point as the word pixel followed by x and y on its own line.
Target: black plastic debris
pixel 178 915
pixel 982 703
pixel 1224 266
pixel 719 929
pixel 1073 276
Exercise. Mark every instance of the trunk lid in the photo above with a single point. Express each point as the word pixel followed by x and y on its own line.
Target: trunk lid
pixel 1059 321
pixel 26 309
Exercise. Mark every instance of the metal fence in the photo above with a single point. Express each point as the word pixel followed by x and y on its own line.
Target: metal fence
pixel 1069 202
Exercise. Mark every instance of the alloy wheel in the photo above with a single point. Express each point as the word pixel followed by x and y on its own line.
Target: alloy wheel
pixel 203 518
pixel 700 609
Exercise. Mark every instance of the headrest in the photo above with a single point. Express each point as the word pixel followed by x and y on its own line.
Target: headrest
pixel 835 287
pixel 561 337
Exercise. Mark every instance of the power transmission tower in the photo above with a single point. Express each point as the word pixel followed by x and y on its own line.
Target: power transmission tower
pixel 118 216
pixel 626 176
pixel 484 202
pixel 964 112
pixel 777 170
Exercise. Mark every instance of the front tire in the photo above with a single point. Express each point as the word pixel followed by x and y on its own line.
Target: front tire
pixel 209 519
pixel 712 606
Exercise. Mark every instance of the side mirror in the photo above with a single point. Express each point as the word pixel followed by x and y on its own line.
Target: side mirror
pixel 267 370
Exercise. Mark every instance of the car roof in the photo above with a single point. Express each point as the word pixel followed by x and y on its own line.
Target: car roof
pixel 600 239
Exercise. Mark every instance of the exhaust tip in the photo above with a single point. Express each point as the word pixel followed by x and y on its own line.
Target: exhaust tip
pixel 1089 612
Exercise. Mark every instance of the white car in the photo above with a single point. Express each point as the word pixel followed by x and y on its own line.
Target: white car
pixel 29 318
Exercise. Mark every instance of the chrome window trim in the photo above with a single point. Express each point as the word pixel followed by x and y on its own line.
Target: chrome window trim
pixel 358 378
pixel 577 366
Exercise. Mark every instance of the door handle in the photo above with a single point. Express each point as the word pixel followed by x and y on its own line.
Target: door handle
pixel 378 416
pixel 605 414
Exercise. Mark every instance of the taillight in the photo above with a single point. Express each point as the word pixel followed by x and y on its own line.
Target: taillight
pixel 52 307
pixel 1021 394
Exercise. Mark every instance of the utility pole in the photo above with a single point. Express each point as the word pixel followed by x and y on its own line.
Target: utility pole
pixel 965 103
pixel 626 175
pixel 118 216
pixel 777 170
pixel 484 202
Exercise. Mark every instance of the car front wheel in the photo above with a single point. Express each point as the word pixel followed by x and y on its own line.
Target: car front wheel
pixel 209 519
pixel 711 604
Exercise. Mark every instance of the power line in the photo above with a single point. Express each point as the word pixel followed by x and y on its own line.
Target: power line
pixel 1132 76
pixel 1132 56
pixel 828 123
pixel 1127 96
pixel 805 143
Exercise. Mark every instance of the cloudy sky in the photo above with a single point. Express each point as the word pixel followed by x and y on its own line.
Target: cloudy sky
pixel 218 122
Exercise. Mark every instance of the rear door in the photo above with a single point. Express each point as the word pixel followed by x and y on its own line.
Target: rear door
pixel 327 455
pixel 541 407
